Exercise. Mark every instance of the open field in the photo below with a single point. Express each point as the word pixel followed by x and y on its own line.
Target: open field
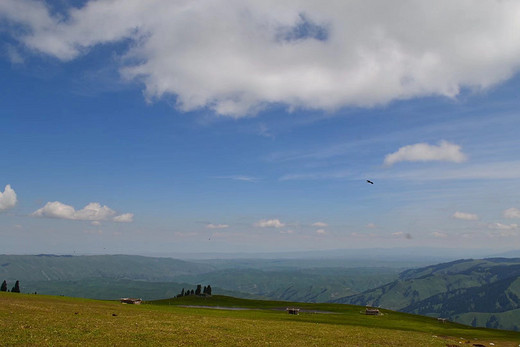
pixel 48 320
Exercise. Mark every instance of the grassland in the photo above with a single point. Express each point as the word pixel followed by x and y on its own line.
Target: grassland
pixel 49 320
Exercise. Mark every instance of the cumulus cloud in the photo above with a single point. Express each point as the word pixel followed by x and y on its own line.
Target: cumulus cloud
pixel 321 231
pixel 465 216
pixel 320 225
pixel 7 198
pixel 511 213
pixel 217 226
pixel 92 212
pixel 445 151
pixel 236 56
pixel 269 223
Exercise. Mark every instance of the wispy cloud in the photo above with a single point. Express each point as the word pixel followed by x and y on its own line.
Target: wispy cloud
pixel 465 216
pixel 320 224
pixel 504 230
pixel 500 226
pixel 445 151
pixel 8 198
pixel 511 213
pixel 91 212
pixel 239 178
pixel 269 223
pixel 217 226
pixel 14 55
pixel 439 234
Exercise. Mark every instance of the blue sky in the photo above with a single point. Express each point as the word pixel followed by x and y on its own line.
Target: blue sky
pixel 161 127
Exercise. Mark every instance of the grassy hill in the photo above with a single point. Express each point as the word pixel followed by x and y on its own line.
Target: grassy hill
pixel 478 292
pixel 46 320
pixel 113 289
pixel 307 285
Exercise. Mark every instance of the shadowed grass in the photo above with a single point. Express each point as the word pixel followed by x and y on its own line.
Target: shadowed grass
pixel 47 320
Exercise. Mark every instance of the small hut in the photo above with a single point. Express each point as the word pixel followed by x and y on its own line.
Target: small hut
pixel 293 310
pixel 372 311
pixel 131 301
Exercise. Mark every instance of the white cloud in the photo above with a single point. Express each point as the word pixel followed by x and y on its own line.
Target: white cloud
pixel 511 213
pixel 445 151
pixel 439 234
pixel 371 226
pixel 269 223
pixel 124 218
pixel 320 225
pixel 217 226
pixel 321 231
pixel 13 55
pixel 92 212
pixel 465 216
pixel 236 56
pixel 500 226
pixel 8 198
pixel 504 230
pixel 240 178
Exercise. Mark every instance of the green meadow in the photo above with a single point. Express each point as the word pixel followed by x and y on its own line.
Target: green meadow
pixel 42 320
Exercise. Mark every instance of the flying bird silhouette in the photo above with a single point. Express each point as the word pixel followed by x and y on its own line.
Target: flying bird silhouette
pixel 368 181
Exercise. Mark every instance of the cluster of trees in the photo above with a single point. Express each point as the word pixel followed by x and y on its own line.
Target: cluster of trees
pixel 199 291
pixel 15 289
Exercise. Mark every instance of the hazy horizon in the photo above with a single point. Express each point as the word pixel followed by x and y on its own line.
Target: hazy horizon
pixel 161 127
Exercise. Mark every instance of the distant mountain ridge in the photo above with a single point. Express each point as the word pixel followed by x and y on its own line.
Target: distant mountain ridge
pixel 483 292
pixel 104 276
pixel 46 267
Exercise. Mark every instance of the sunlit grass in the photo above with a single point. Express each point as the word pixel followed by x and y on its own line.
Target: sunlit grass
pixel 47 320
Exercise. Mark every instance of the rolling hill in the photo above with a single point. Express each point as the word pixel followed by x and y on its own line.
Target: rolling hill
pixel 479 292
pixel 107 277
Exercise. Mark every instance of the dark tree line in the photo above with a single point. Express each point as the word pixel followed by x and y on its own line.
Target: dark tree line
pixel 15 289
pixel 206 291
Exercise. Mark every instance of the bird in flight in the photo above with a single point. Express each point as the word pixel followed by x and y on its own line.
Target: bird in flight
pixel 368 181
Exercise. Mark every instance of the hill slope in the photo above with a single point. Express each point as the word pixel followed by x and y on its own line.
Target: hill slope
pixel 306 285
pixel 479 292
